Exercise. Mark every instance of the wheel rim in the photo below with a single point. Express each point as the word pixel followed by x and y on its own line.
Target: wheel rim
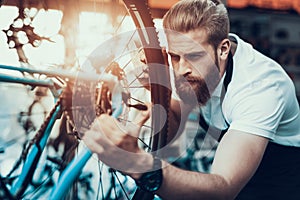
pixel 143 39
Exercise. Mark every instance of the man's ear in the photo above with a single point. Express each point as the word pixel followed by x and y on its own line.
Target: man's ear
pixel 224 49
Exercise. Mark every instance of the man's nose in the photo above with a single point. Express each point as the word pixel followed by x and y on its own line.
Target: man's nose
pixel 184 67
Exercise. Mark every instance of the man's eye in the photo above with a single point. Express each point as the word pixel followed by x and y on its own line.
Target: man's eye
pixel 193 57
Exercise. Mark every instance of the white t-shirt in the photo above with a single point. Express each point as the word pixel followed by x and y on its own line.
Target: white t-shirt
pixel 260 99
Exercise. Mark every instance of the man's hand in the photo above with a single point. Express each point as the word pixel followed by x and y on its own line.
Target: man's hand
pixel 117 145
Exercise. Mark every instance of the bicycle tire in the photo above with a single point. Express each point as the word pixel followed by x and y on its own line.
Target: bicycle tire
pixel 158 75
pixel 159 85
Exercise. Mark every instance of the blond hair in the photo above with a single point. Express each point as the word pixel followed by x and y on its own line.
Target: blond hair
pixel 211 15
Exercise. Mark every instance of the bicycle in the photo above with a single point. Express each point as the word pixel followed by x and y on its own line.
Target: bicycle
pixel 100 100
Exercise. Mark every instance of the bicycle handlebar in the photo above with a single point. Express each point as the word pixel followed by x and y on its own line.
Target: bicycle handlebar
pixel 79 75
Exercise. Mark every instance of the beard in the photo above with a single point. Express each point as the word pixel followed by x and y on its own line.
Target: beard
pixel 195 90
pixel 192 90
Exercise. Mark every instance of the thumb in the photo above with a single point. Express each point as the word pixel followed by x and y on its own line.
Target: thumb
pixel 143 116
pixel 139 120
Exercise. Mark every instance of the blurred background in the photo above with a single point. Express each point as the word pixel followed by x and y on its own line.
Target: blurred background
pixel 52 34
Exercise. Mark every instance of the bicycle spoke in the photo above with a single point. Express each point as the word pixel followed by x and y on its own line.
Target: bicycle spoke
pixel 121 184
pixel 120 24
pixel 129 59
pixel 100 185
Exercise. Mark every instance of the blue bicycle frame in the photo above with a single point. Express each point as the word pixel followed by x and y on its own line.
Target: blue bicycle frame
pixel 75 167
pixel 21 183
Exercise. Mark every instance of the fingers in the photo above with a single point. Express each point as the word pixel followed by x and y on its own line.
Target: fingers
pixel 135 126
pixel 110 128
pixel 91 142
pixel 107 131
pixel 143 116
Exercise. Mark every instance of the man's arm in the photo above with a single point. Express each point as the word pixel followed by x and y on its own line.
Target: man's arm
pixel 236 160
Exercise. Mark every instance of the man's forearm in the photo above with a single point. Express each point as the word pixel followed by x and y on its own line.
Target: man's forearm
pixel 192 185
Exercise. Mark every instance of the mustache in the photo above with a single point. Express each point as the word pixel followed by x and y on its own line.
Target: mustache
pixel 188 78
pixel 192 89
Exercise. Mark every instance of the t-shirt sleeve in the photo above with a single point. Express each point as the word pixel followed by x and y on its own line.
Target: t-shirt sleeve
pixel 258 110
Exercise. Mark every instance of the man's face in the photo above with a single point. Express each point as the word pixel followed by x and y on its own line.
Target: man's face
pixel 195 66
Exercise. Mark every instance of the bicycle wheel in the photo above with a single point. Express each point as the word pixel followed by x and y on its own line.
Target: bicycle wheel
pixel 160 86
pixel 136 60
pixel 126 52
